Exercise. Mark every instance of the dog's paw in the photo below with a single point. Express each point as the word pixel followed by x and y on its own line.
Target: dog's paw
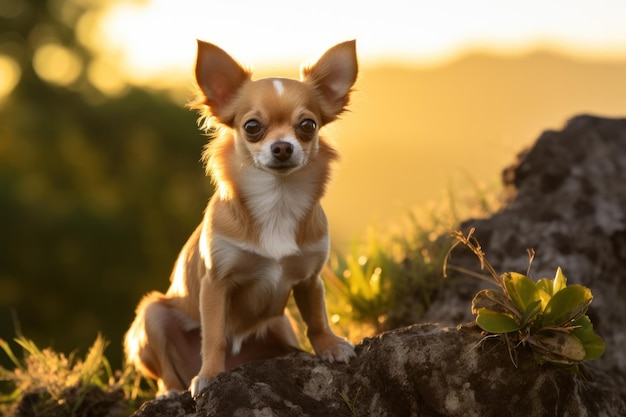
pixel 198 384
pixel 333 349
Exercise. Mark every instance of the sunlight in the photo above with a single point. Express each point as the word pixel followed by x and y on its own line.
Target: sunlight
pixel 106 77
pixel 57 64
pixel 149 39
pixel 10 74
pixel 155 39
pixel 423 65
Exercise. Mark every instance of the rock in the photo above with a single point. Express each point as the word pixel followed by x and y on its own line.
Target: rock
pixel 567 200
pixel 76 401
pixel 422 370
pixel 173 406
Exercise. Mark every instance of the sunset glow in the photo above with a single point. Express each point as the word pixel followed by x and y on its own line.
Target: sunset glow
pixel 9 75
pixel 157 37
pixel 425 109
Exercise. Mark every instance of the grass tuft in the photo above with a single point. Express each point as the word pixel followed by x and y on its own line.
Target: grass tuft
pixel 391 279
pixel 47 383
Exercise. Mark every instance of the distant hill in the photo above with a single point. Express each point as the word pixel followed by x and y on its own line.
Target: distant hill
pixel 413 131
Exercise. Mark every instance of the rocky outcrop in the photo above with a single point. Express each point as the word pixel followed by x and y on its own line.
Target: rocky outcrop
pixel 422 370
pixel 567 200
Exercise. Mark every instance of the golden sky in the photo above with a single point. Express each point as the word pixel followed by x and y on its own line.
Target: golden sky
pixel 459 127
pixel 155 37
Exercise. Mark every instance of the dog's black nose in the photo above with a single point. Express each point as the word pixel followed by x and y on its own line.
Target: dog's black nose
pixel 282 150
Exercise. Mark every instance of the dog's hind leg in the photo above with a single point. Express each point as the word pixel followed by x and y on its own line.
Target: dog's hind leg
pixel 164 344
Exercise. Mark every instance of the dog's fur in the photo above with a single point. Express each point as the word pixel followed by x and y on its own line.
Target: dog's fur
pixel 264 232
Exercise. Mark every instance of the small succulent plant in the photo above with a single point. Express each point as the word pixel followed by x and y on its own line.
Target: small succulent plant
pixel 549 316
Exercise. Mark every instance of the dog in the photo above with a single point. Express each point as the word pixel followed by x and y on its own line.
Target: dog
pixel 264 234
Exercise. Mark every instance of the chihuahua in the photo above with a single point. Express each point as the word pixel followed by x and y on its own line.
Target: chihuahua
pixel 264 233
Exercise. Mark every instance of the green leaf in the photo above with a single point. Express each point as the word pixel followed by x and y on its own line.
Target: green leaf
pixel 12 397
pixel 594 345
pixel 531 313
pixel 582 328
pixel 544 286
pixel 7 349
pixel 559 281
pixel 567 305
pixel 521 290
pixel 496 322
pixel 557 346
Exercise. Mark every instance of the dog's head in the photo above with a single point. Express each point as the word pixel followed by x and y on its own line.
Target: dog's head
pixel 275 121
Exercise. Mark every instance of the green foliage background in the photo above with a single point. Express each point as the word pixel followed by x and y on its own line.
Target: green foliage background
pixel 97 194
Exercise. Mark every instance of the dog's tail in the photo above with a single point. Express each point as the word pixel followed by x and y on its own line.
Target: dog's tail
pixel 162 343
pixel 136 338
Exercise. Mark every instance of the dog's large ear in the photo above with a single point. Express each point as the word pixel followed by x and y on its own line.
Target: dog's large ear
pixel 333 76
pixel 219 77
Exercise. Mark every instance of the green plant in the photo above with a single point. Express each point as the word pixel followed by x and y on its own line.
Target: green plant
pixel 386 284
pixel 548 315
pixel 363 282
pixel 391 279
pixel 350 404
pixel 53 384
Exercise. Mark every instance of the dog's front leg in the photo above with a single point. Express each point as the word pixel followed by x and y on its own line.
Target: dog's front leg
pixel 309 296
pixel 213 320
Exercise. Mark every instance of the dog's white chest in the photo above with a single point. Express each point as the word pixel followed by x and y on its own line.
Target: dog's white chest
pixel 278 206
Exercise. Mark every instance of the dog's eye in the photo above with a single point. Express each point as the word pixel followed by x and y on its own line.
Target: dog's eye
pixel 253 129
pixel 308 126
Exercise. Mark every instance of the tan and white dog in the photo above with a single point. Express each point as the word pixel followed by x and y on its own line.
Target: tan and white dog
pixel 264 232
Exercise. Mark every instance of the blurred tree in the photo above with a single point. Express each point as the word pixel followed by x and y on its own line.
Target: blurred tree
pixel 97 193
